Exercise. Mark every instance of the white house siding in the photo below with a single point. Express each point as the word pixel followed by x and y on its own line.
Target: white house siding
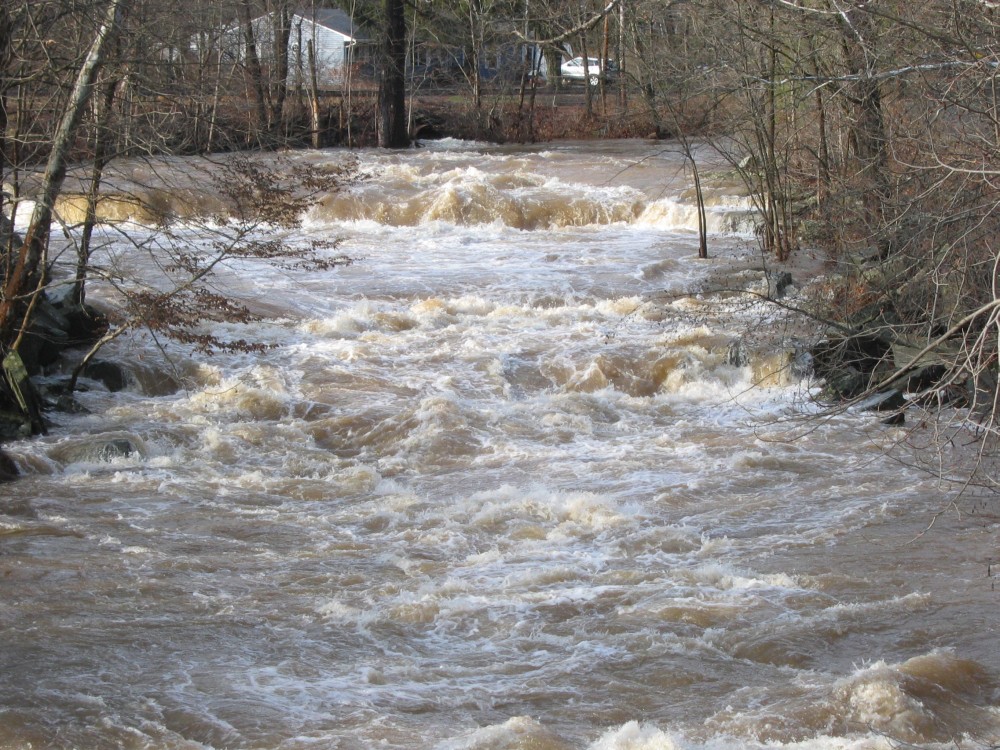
pixel 331 49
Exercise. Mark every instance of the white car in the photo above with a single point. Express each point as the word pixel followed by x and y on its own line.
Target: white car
pixel 594 72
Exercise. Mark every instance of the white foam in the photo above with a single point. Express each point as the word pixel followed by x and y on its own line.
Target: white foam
pixel 636 736
pixel 643 736
pixel 484 471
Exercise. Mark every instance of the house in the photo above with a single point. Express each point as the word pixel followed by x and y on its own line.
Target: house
pixel 338 42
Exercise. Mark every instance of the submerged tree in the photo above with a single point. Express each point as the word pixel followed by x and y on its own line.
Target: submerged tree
pixel 258 201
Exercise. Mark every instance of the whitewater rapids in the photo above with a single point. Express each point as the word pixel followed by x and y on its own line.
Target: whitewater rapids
pixel 497 484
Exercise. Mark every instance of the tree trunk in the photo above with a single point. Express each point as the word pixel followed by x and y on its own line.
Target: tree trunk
pixel 477 53
pixel 6 34
pixel 392 104
pixel 313 97
pixel 620 57
pixel 26 275
pixel 282 18
pixel 867 129
pixel 102 155
pixel 253 64
pixel 216 98
pixel 700 201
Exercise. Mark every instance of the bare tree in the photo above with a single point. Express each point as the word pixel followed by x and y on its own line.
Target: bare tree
pixel 25 277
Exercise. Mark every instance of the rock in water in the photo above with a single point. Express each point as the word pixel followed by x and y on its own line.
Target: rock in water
pixel 8 469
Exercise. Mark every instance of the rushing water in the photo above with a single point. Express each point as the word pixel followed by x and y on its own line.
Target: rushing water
pixel 495 485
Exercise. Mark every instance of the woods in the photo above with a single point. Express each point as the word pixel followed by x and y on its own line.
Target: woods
pixel 867 130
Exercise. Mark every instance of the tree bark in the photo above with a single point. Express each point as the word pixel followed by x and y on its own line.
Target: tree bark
pixel 282 19
pixel 476 45
pixel 867 129
pixel 102 156
pixel 6 33
pixel 392 120
pixel 253 63
pixel 314 124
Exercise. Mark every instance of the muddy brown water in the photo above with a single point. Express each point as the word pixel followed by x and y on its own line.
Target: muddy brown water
pixel 494 485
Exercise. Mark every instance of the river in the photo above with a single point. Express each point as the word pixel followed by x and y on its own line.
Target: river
pixel 495 485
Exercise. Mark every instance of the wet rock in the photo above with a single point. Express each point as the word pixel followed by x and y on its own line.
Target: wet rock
pixel 895 419
pixel 737 354
pixel 890 399
pixel 58 324
pixel 13 425
pixel 97 449
pixel 802 362
pixel 761 281
pixel 850 364
pixel 83 324
pixel 114 377
pixel 777 282
pixel 8 469
pixel 119 448
pixel 69 405
pixel 151 379
pixel 45 339
pixel 844 382
pixel 925 378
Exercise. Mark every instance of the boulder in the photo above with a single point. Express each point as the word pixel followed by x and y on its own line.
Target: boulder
pixel 45 339
pixel 737 354
pixel 83 324
pixel 13 425
pixel 58 324
pixel 761 281
pixel 114 377
pixel 851 363
pixel 925 378
pixel 117 448
pixel 97 449
pixel 777 283
pixel 8 469
pixel 890 399
pixel 844 382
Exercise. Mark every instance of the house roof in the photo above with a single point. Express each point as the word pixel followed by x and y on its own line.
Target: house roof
pixel 335 20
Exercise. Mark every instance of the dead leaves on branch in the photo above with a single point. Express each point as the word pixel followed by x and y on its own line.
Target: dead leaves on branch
pixel 181 315
pixel 266 201
pixel 277 194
